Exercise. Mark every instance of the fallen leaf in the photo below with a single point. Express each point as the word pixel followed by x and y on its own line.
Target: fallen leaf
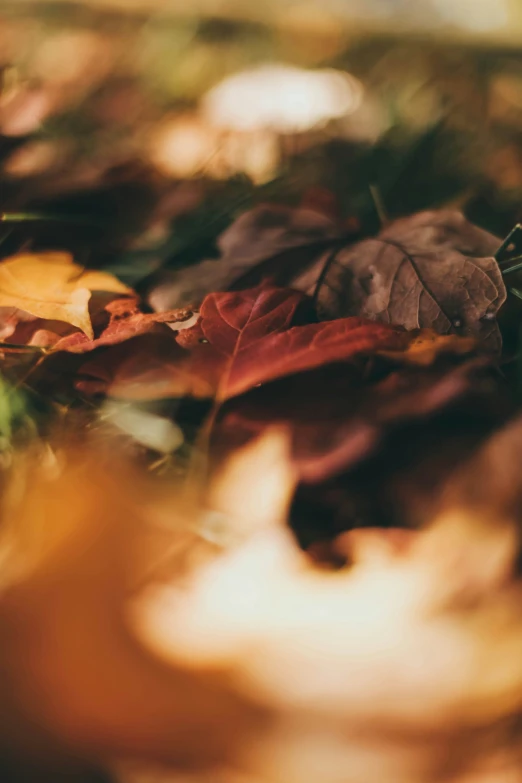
pixel 426 346
pixel 10 318
pixel 52 287
pixel 148 367
pixel 433 270
pixel 321 200
pixel 303 348
pixel 244 339
pixel 126 321
pixel 388 463
pixel 341 415
pixel 41 333
pixel 136 356
pixel 269 229
pixel 262 234
pixel 248 338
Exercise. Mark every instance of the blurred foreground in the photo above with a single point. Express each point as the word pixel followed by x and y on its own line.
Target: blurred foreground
pixel 130 640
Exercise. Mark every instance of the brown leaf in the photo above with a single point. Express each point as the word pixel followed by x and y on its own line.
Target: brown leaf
pixel 257 236
pixel 52 287
pixel 269 229
pixel 433 269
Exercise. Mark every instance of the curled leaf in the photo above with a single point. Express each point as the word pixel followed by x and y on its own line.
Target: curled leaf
pixel 126 321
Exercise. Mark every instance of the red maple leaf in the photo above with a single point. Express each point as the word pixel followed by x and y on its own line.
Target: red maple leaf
pixel 247 338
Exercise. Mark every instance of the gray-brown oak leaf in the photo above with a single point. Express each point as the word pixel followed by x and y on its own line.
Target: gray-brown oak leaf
pixel 433 269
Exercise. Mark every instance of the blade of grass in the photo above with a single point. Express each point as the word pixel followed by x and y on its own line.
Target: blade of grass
pixel 511 247
pixel 44 217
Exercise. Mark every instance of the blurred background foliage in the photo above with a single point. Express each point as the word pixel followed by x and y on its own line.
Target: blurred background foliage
pixel 131 114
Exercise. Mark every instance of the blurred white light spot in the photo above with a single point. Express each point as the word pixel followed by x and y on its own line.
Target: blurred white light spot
pixel 281 98
pixel 257 154
pixel 148 429
pixel 474 15
pixel 182 146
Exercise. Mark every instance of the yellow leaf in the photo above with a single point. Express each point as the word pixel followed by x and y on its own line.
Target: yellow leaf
pixel 424 346
pixel 51 286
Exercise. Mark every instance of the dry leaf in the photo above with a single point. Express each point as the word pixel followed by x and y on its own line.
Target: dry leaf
pixel 151 366
pixel 267 230
pixel 10 319
pixel 259 235
pixel 426 346
pixel 52 287
pixel 434 270
pixel 403 452
pixel 247 338
pixel 126 321
pixel 341 416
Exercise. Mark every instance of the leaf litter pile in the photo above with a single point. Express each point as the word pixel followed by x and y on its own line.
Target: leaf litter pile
pixel 261 520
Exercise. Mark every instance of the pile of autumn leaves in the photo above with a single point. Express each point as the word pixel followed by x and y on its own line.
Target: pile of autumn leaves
pixel 376 355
